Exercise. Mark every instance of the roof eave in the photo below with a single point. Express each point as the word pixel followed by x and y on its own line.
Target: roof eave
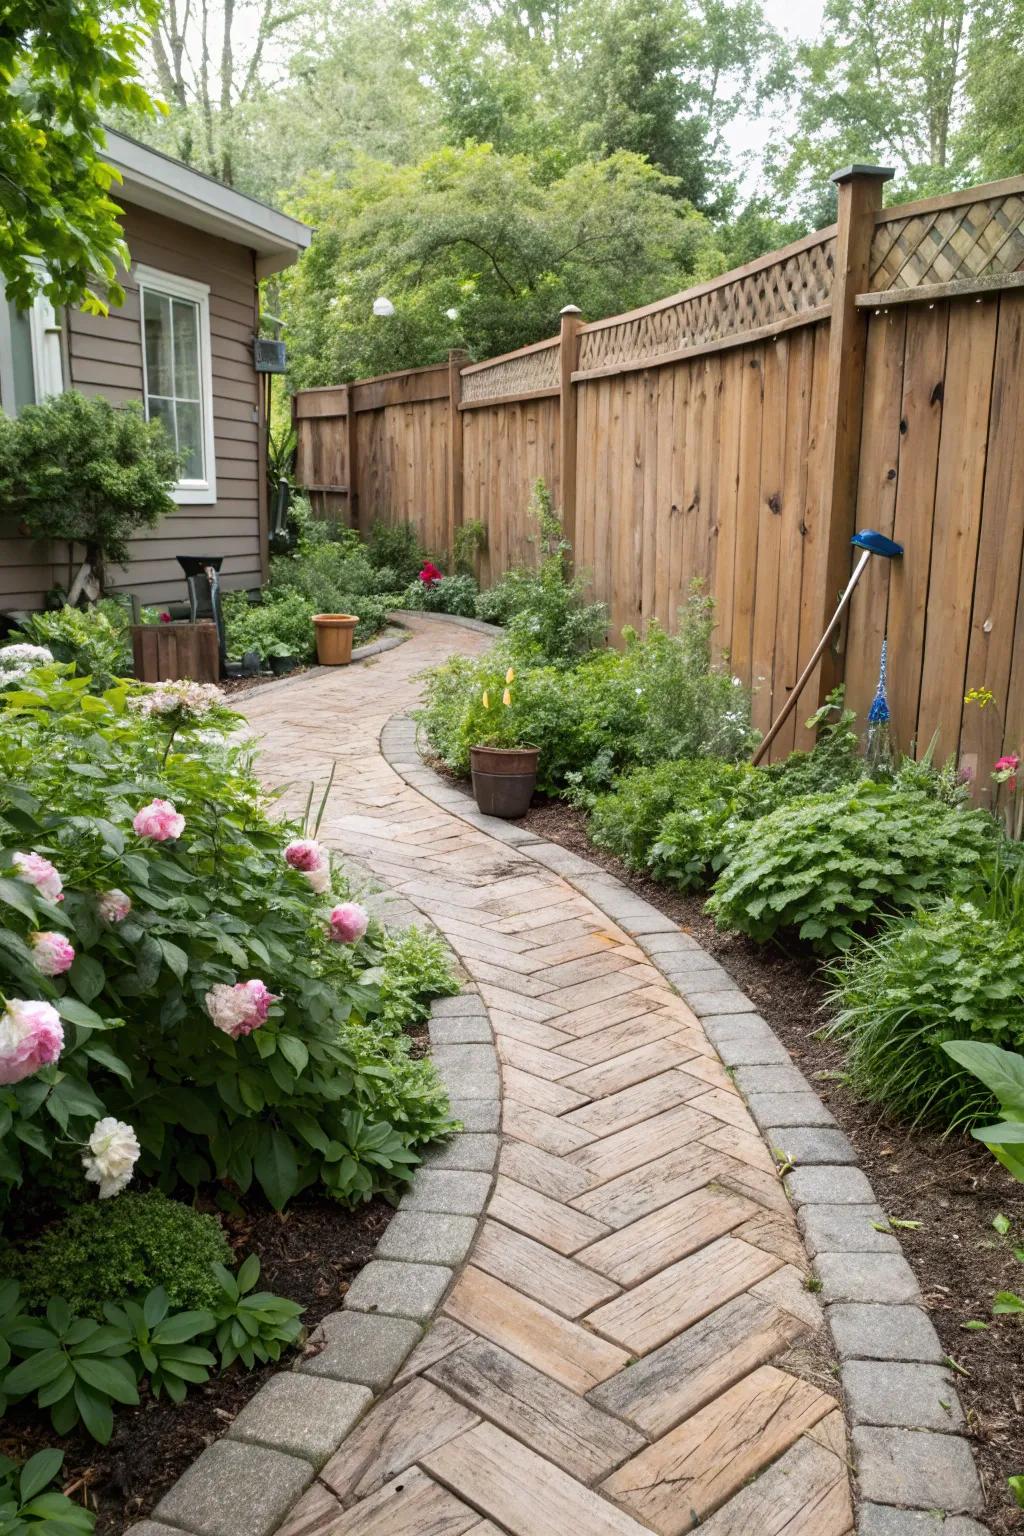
pixel 164 185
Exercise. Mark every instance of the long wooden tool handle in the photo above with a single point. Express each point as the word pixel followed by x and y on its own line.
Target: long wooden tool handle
pixel 819 650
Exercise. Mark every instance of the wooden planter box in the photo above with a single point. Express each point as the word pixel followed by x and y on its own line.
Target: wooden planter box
pixel 166 651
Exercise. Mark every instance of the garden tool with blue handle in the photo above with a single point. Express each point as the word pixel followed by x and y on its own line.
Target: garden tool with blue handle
pixel 870 543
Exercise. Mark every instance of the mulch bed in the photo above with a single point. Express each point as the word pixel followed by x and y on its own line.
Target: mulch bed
pixel 311 1254
pixel 953 1187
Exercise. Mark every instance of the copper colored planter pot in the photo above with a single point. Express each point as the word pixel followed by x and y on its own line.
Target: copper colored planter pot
pixel 334 633
pixel 504 779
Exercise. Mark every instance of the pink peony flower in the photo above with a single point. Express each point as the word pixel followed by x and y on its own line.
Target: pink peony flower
pixel 304 854
pixel 31 1036
pixel 1007 766
pixel 159 821
pixel 37 871
pixel 348 922
pixel 114 906
pixel 239 1009
pixel 52 953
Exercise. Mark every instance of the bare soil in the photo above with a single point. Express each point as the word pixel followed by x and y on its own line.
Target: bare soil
pixel 952 1185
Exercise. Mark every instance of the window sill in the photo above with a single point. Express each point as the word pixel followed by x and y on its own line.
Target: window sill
pixel 195 496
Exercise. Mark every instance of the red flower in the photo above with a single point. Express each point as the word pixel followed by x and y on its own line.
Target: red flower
pixel 430 573
pixel 165 617
pixel 1008 765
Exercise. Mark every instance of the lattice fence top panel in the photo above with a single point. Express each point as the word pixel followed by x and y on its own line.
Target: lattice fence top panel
pixel 521 374
pixel 982 239
pixel 750 302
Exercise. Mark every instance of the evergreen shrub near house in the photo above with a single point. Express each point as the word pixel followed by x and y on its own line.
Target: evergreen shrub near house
pixel 84 470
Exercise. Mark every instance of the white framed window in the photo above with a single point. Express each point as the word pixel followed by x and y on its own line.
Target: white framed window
pixel 31 366
pixel 177 374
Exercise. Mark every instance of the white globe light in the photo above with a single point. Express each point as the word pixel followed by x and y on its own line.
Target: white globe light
pixel 383 307
pixel 452 314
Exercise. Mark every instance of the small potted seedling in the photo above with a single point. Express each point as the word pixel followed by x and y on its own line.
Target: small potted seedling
pixel 504 767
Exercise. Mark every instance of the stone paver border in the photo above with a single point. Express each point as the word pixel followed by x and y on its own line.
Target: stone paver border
pixel 245 1483
pixel 901 1404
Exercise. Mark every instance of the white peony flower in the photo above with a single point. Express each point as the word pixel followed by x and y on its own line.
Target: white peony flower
pixel 113 1152
pixel 319 878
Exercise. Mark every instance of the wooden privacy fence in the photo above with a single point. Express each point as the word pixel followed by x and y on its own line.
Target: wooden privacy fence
pixel 870 375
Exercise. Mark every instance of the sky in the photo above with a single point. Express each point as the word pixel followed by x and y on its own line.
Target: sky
pixel 746 136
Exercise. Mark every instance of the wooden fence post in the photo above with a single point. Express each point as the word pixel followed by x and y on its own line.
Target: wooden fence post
pixel 351 464
pixel 860 198
pixel 457 360
pixel 568 354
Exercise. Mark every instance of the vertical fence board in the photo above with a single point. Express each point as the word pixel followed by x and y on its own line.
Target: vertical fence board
pixel 876 500
pixel 990 658
pixel 958 494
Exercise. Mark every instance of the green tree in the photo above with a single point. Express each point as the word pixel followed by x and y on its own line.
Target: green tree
pixel 476 249
pixel 991 142
pixel 64 63
pixel 882 85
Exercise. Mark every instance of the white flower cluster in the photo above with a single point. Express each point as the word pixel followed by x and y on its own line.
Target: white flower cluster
pixel 191 700
pixel 16 661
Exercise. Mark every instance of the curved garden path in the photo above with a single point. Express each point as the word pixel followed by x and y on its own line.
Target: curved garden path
pixel 631 1342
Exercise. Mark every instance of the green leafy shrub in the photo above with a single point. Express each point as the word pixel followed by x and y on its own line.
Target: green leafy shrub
pixel 91 639
pixel 415 968
pixel 86 471
pixel 294 1098
pixel 509 595
pixel 282 625
pixel 452 594
pixel 554 624
pixel 117 1249
pixel 27 1503
pixel 396 547
pixel 469 541
pixel 628 820
pixel 825 866
pixel 661 697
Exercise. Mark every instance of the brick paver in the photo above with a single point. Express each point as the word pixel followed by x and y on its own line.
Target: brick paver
pixel 617 1356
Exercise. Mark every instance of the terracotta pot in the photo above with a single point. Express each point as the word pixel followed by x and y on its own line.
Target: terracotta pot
pixel 334 633
pixel 504 779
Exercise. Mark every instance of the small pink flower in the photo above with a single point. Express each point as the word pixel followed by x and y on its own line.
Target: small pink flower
pixel 159 821
pixel 114 906
pixel 304 854
pixel 52 953
pixel 239 1009
pixel 37 871
pixel 348 922
pixel 31 1036
pixel 1007 766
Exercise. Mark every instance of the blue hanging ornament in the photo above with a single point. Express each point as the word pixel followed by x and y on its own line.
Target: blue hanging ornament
pixel 878 747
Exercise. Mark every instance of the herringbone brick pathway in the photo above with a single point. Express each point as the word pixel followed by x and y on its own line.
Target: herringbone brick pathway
pixel 620 1353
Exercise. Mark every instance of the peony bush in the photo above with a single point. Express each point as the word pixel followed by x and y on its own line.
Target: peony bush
pixel 187 991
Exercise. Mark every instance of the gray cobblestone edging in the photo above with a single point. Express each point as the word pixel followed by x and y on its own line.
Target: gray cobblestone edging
pixel 247 1482
pixel 914 1470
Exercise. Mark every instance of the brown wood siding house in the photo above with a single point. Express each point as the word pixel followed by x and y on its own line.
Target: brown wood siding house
pixel 202 247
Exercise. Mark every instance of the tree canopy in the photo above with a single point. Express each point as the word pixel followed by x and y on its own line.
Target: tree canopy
pixel 63 63
pixel 474 249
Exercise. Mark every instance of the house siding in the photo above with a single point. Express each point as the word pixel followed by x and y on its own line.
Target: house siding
pixel 104 357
